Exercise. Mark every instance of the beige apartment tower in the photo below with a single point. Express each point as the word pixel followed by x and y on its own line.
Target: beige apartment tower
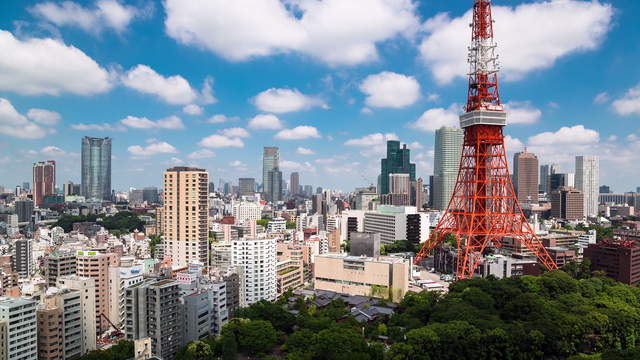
pixel 185 215
pixel 525 177
pixel 95 265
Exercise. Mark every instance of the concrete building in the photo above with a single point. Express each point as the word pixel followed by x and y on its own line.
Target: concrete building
pixel 270 162
pixel 50 336
pixel 96 168
pixel 185 216
pixel 153 310
pixel 276 225
pixel 290 267
pixel 365 244
pixel 394 223
pixel 87 289
pixel 23 257
pixel 257 259
pixel 205 310
pixel 221 256
pixel 588 181
pixel 294 183
pixel 620 260
pixel 59 264
pixel 245 211
pixel 94 265
pixel 274 191
pixel 567 203
pixel 446 162
pixel 525 177
pixel 69 316
pixel 24 210
pixel 44 180
pixel 383 277
pixel 120 278
pixel 18 330
pixel 246 186
pixel 545 173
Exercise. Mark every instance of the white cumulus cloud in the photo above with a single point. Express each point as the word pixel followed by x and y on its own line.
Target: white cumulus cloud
pixel 47 66
pixel 577 134
pixel 433 119
pixel 235 132
pixel 337 32
pixel 98 127
pixel 265 122
pixel 44 117
pixel 192 109
pixel 221 141
pixel 172 123
pixel 388 89
pixel 371 140
pixel 298 133
pixel 153 148
pixel 530 36
pixel 201 154
pixel 629 104
pixel 174 90
pixel 522 113
pixel 285 100
pixel 304 151
pixel 14 124
pixel 220 118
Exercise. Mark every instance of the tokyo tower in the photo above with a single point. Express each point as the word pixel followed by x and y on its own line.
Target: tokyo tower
pixel 483 208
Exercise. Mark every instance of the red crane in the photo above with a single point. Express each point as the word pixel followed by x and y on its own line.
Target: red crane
pixel 483 208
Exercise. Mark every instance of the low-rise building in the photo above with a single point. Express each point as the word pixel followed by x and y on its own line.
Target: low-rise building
pixel 620 260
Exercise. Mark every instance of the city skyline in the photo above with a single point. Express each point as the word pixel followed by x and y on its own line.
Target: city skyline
pixel 328 109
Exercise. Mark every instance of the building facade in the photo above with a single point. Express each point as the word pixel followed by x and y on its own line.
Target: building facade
pixel 246 186
pixel 525 177
pixel 446 162
pixel 185 215
pixel 94 265
pixel 96 168
pixel 270 161
pixel 588 181
pixel 398 161
pixel 257 259
pixel 567 203
pixel 44 180
pixel 19 324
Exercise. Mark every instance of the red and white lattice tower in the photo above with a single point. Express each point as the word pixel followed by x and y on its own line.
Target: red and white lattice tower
pixel 483 208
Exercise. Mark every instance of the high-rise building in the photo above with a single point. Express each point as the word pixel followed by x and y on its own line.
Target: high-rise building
pixel 24 257
pixel 448 150
pixel 525 177
pixel 18 330
pixel 44 180
pixel 399 190
pixel 96 168
pixel 59 264
pixel 587 180
pixel 308 190
pixel 398 161
pixel 94 265
pixel 120 278
pixel 185 215
pixel 246 186
pixel 274 189
pixel 604 189
pixel 24 210
pixel 545 172
pixel 150 195
pixel 86 286
pixel 294 183
pixel 257 259
pixel 153 310
pixel 567 203
pixel 270 161
pixel 418 194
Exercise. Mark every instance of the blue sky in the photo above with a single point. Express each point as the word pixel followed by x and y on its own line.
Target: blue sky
pixel 209 83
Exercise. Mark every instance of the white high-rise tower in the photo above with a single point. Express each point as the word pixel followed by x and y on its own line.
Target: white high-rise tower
pixel 448 149
pixel 587 180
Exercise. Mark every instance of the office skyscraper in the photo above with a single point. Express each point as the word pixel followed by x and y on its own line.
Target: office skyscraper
pixel 270 161
pixel 274 191
pixel 448 150
pixel 545 172
pixel 525 177
pixel 185 215
pixel 44 180
pixel 294 183
pixel 397 162
pixel 587 180
pixel 96 168
pixel 246 186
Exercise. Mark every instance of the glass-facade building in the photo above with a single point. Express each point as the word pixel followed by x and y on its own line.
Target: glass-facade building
pixel 270 162
pixel 397 162
pixel 96 168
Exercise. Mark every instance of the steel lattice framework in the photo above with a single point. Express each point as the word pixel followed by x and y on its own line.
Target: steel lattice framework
pixel 483 208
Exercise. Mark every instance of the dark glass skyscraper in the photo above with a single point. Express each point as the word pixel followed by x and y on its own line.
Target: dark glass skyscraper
pixel 397 162
pixel 96 168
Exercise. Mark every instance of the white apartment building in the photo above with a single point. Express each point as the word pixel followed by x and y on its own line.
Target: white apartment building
pixel 587 180
pixel 257 258
pixel 18 329
pixel 247 211
pixel 120 278
pixel 87 288
pixel 277 224
pixel 389 221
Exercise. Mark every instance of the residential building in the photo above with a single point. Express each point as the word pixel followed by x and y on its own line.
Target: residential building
pixel 68 302
pixel 87 288
pixel 588 181
pixel 247 212
pixel 270 162
pixel 18 330
pixel 153 310
pixel 205 310
pixel 23 257
pixel 94 265
pixel 24 210
pixel 120 278
pixel 525 177
pixel 446 162
pixel 50 335
pixel 44 180
pixel 185 215
pixel 567 203
pixel 383 277
pixel 397 162
pixel 246 186
pixel 257 259
pixel 96 168
pixel 276 225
